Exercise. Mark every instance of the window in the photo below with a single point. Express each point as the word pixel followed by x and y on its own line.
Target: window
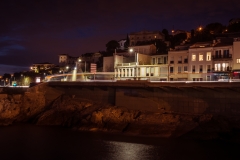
pixel 217 67
pixel 171 69
pixel 200 57
pixel 153 61
pixel 225 66
pixel 180 59
pixel 238 60
pixel 225 53
pixel 200 69
pixel 165 60
pixel 193 69
pixel 185 68
pixel 185 59
pixel 179 69
pixel 172 60
pixel 218 54
pixel 159 60
pixel 208 68
pixel 193 57
pixel 208 56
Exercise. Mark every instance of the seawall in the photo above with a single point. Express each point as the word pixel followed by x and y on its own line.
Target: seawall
pixel 191 98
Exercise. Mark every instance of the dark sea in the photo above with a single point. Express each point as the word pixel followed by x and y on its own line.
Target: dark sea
pixel 30 142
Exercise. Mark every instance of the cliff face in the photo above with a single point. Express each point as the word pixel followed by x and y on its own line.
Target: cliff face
pixel 20 107
pixel 44 105
pixel 25 106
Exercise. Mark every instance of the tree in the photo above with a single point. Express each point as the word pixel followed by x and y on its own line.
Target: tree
pixel 192 35
pixel 178 39
pixel 165 32
pixel 214 28
pixel 112 45
pixel 234 27
pixel 126 44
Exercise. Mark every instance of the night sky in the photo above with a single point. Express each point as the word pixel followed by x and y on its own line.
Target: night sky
pixel 35 31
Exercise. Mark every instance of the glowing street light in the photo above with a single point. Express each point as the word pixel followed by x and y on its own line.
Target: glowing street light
pixel 79 60
pixel 135 55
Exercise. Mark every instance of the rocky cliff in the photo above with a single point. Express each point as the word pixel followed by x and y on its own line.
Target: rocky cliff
pixel 44 105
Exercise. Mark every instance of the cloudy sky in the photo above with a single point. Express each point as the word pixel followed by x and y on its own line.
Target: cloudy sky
pixel 35 31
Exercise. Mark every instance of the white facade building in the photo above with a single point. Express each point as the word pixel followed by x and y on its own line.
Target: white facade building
pixel 200 62
pixel 178 65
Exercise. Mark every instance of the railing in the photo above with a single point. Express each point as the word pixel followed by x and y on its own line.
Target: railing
pixel 222 56
pixel 127 64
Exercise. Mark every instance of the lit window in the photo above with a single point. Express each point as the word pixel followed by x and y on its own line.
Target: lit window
pixel 238 60
pixel 208 56
pixel 193 57
pixel 201 57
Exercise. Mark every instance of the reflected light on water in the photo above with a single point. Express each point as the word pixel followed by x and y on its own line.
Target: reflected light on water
pixel 126 151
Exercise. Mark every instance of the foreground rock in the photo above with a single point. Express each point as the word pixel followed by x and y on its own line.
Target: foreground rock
pixel 84 115
pixel 49 106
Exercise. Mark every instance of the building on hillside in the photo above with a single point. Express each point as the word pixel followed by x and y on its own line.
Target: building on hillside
pixel 38 67
pixel 217 60
pixel 160 67
pixel 67 63
pixel 144 49
pixel 140 62
pixel 175 32
pixel 200 62
pixel 178 65
pixel 108 64
pixel 236 59
pixel 145 36
pixel 222 60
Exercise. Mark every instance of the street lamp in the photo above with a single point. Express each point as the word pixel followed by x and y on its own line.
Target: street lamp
pixel 136 61
pixel 135 56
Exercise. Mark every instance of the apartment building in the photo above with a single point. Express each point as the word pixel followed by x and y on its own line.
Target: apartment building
pixel 200 62
pixel 178 65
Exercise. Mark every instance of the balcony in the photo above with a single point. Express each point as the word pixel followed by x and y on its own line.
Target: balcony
pixel 222 57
